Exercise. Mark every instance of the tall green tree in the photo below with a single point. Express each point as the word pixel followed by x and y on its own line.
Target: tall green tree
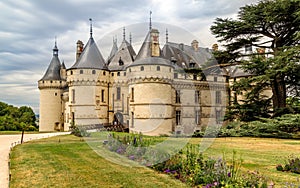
pixel 272 25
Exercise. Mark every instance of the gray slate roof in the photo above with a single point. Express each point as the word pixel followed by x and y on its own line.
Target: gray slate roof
pixel 152 61
pixel 90 58
pixel 53 71
pixel 145 50
pixel 125 53
pixel 186 54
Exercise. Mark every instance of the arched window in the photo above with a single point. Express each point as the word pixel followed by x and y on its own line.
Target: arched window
pixel 118 74
pixel 71 72
pixel 158 68
pixel 142 68
pixel 104 73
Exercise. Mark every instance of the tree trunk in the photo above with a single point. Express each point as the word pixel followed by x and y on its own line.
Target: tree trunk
pixel 22 136
pixel 279 93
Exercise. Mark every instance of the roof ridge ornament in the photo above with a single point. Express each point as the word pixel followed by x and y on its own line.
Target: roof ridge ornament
pixel 130 38
pixel 55 49
pixel 91 27
pixel 124 35
pixel 150 21
pixel 167 35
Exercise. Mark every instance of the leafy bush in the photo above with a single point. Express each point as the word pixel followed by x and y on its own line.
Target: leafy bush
pixel 286 126
pixel 79 131
pixel 12 118
pixel 292 165
pixel 188 165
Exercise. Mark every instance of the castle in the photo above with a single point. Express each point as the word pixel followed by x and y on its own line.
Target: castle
pixel 156 91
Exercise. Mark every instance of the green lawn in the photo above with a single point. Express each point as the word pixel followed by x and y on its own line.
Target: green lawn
pixel 68 161
pixel 17 132
pixel 258 154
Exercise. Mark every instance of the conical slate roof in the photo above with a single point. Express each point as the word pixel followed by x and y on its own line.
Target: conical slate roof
pixel 113 51
pixel 53 71
pixel 123 57
pixel 145 50
pixel 145 57
pixel 90 58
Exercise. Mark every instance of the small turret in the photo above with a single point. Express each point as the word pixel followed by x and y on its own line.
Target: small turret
pixel 51 89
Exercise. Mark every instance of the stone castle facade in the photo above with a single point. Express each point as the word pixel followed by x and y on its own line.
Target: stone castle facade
pixel 156 91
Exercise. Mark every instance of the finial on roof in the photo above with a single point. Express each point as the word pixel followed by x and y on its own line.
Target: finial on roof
pixel 130 38
pixel 55 49
pixel 124 33
pixel 150 23
pixel 55 44
pixel 91 27
pixel 167 36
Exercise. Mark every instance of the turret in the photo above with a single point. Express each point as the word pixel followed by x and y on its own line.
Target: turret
pixel 150 73
pixel 51 88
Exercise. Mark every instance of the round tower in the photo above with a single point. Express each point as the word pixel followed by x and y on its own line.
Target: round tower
pixel 51 89
pixel 150 86
pixel 88 87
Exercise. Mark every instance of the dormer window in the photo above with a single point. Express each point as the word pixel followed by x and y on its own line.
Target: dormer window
pixel 121 62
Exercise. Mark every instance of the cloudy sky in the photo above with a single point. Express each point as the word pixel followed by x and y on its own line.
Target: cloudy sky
pixel 29 27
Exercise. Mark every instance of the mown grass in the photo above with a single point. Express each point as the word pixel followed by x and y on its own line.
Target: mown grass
pixel 17 132
pixel 68 161
pixel 257 154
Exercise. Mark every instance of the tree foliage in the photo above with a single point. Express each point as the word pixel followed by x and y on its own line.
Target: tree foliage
pixel 272 27
pixel 14 118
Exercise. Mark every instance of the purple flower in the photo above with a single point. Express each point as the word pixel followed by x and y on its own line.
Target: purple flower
pixel 120 150
pixel 131 157
pixel 173 171
pixel 167 171
pixel 229 174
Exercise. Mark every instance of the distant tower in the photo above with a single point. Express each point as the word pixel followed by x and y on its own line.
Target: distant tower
pixel 51 88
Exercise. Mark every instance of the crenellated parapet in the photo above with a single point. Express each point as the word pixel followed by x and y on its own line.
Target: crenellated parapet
pixel 52 84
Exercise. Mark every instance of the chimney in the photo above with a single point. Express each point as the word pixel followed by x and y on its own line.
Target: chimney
pixel 79 49
pixel 195 45
pixel 215 47
pixel 155 50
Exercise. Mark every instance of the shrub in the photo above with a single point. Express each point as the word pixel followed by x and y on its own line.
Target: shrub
pixel 292 165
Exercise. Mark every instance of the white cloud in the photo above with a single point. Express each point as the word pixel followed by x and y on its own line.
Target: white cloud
pixel 28 28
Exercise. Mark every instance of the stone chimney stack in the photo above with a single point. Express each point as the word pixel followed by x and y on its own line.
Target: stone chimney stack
pixel 79 49
pixel 195 45
pixel 215 47
pixel 155 50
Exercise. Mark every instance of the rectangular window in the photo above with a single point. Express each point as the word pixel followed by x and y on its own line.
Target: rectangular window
pixel 118 93
pixel 177 96
pixel 197 96
pixel 218 97
pixel 102 95
pixel 178 117
pixel 175 75
pixel 132 94
pixel 73 96
pixel 197 117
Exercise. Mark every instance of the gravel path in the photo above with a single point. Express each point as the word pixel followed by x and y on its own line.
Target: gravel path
pixel 6 141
